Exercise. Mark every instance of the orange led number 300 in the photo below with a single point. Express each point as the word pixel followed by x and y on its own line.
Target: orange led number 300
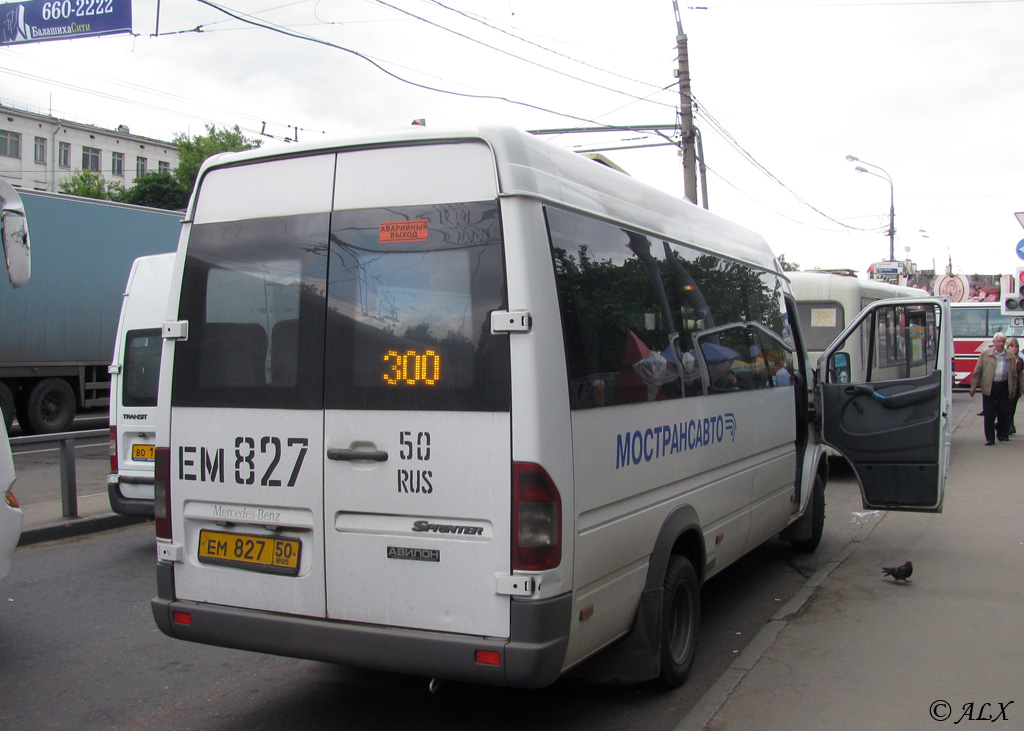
pixel 412 368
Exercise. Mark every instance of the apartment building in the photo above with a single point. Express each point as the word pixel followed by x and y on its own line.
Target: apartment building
pixel 38 151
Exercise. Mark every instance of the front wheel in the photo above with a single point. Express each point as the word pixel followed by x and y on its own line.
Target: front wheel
pixel 680 621
pixel 817 509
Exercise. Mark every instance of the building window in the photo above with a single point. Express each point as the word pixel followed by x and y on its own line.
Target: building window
pixel 40 152
pixel 140 167
pixel 117 164
pixel 64 154
pixel 165 167
pixel 90 159
pixel 10 144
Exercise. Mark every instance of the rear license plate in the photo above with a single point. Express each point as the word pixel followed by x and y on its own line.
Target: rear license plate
pixel 255 553
pixel 143 453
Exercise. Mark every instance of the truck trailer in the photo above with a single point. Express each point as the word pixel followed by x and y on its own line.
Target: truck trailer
pixel 57 333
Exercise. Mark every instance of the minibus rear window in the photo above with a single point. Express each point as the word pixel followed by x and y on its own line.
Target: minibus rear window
pixel 253 297
pixel 141 367
pixel 821 322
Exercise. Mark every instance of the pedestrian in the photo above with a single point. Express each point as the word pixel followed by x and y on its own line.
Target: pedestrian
pixel 1012 346
pixel 995 375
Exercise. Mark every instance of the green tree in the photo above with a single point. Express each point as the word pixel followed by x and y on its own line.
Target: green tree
pixel 786 266
pixel 90 184
pixel 157 190
pixel 192 151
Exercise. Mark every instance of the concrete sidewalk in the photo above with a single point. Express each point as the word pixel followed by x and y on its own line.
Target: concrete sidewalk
pixel 858 651
pixel 44 521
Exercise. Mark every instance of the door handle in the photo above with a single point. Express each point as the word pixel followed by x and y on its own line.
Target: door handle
pixel 352 455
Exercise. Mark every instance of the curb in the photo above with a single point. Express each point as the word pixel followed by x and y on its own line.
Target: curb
pixel 72 527
pixel 712 701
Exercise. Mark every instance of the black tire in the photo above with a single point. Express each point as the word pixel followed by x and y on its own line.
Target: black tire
pixel 680 622
pixel 808 545
pixel 7 406
pixel 50 407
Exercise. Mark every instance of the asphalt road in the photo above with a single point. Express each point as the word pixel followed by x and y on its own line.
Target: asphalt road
pixel 80 651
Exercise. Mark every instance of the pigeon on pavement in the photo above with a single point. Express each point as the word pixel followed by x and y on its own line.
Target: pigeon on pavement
pixel 899 572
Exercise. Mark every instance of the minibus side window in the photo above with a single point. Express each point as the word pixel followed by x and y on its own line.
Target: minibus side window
pixel 616 316
pixel 714 292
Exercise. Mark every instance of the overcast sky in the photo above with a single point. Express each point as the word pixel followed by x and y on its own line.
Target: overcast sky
pixel 931 92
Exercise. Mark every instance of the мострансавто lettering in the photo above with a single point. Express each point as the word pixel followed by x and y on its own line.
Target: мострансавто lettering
pixel 661 441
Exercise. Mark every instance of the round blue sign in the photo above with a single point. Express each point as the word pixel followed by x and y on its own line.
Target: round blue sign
pixel 1020 248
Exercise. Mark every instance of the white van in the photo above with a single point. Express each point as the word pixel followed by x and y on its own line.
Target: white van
pixel 134 377
pixel 467 405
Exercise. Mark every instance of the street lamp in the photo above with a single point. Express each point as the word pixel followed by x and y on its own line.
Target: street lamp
pixel 892 211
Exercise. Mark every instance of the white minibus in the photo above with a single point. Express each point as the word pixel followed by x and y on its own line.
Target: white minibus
pixel 468 406
pixel 134 376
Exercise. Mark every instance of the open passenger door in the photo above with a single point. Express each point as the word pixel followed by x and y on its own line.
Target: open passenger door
pixel 890 415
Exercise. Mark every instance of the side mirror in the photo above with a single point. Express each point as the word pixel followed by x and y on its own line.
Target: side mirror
pixel 839 368
pixel 14 228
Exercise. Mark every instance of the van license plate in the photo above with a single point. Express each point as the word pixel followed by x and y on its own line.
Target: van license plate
pixel 143 453
pixel 255 553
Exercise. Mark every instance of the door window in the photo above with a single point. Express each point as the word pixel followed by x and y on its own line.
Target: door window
pixel 410 298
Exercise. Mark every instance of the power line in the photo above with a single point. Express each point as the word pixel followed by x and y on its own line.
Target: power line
pixel 825 6
pixel 427 87
pixel 719 129
pixel 515 56
pixel 478 19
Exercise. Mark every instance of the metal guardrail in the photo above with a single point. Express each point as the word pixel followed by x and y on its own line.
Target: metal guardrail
pixel 68 475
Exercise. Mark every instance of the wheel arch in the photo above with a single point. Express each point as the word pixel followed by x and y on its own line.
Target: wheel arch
pixel 680 534
pixel 637 656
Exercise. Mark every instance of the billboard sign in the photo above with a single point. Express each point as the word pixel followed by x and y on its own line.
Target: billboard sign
pixel 33 21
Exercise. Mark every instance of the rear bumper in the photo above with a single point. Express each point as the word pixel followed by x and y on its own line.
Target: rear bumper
pixel 531 658
pixel 126 505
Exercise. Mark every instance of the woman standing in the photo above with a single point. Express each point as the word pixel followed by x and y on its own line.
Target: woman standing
pixel 1014 347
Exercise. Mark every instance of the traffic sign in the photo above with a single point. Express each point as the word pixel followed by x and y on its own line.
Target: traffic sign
pixel 1020 249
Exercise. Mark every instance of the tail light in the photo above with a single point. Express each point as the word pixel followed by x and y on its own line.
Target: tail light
pixel 162 492
pixel 11 500
pixel 112 447
pixel 536 519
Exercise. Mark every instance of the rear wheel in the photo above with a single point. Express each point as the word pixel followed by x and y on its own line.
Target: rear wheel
pixel 680 621
pixel 50 407
pixel 7 406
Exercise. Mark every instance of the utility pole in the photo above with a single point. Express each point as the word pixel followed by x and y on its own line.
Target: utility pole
pixel 686 112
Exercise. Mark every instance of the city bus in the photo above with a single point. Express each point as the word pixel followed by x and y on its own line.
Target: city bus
pixel 466 405
pixel 826 301
pixel 974 324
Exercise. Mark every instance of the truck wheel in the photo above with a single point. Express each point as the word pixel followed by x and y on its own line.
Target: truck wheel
pixel 50 407
pixel 680 621
pixel 817 519
pixel 7 406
